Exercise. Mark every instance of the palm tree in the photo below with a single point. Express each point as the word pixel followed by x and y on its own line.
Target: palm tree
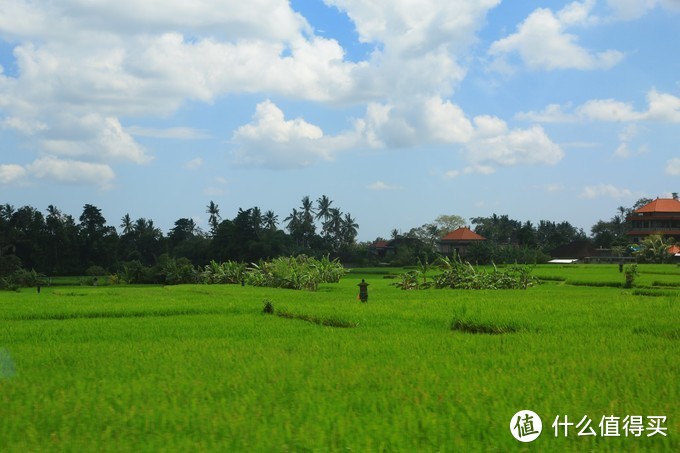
pixel 294 220
pixel 256 218
pixel 294 224
pixel 350 229
pixel 215 218
pixel 308 230
pixel 307 209
pixel 270 220
pixel 324 204
pixel 324 212
pixel 126 224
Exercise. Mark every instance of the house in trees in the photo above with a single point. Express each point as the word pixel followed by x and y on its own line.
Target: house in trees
pixel 661 216
pixel 380 248
pixel 457 241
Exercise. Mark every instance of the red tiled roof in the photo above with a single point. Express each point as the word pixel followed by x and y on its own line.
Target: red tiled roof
pixel 661 205
pixel 463 234
pixel 380 244
pixel 673 249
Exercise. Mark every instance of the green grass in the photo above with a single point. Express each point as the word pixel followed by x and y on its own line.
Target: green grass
pixel 182 368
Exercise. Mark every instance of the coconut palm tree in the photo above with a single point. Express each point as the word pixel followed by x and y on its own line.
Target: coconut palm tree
pixel 214 220
pixel 126 224
pixel 294 225
pixel 307 210
pixel 270 220
pixel 323 207
pixel 350 229
pixel 256 218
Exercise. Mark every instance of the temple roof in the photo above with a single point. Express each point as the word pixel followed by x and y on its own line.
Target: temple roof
pixel 660 205
pixel 463 234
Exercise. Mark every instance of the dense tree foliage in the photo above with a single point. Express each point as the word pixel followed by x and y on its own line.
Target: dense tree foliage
pixel 507 240
pixel 612 233
pixel 58 244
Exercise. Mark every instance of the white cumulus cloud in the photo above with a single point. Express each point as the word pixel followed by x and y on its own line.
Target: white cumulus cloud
pixel 606 190
pixel 496 144
pixel 634 9
pixel 72 172
pixel 543 43
pixel 271 140
pixel 10 173
pixel 661 107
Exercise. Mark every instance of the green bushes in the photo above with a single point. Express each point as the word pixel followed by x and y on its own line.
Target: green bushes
pixel 457 274
pixel 21 278
pixel 301 272
pixel 229 272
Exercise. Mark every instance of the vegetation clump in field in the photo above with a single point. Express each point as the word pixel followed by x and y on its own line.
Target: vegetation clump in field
pixel 631 273
pixel 328 322
pixel 472 321
pixel 468 326
pixel 268 308
pixel 457 274
pixel 229 272
pixel 301 272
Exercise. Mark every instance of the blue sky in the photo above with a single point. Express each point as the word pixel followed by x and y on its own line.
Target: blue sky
pixel 398 110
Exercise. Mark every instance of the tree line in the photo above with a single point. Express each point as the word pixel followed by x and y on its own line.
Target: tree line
pixel 507 240
pixel 56 243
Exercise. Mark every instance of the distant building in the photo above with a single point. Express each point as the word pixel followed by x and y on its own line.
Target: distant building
pixel 661 216
pixel 457 241
pixel 380 248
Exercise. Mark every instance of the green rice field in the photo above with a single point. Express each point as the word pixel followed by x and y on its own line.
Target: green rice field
pixel 202 368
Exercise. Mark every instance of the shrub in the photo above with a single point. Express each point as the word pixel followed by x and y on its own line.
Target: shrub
pixel 229 272
pixel 95 271
pixel 462 275
pixel 268 307
pixel 301 272
pixel 21 279
pixel 631 273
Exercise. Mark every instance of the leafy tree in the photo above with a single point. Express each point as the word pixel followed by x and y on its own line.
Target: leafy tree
pixel 447 223
pixel 500 229
pixel 184 230
pixel 654 249
pixel 550 235
pixel 98 242
pixel 613 233
pixel 28 235
pixel 62 243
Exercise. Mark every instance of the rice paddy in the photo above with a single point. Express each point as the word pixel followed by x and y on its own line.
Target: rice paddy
pixel 201 367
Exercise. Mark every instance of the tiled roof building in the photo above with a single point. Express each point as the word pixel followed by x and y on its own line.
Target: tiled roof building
pixel 458 241
pixel 661 216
